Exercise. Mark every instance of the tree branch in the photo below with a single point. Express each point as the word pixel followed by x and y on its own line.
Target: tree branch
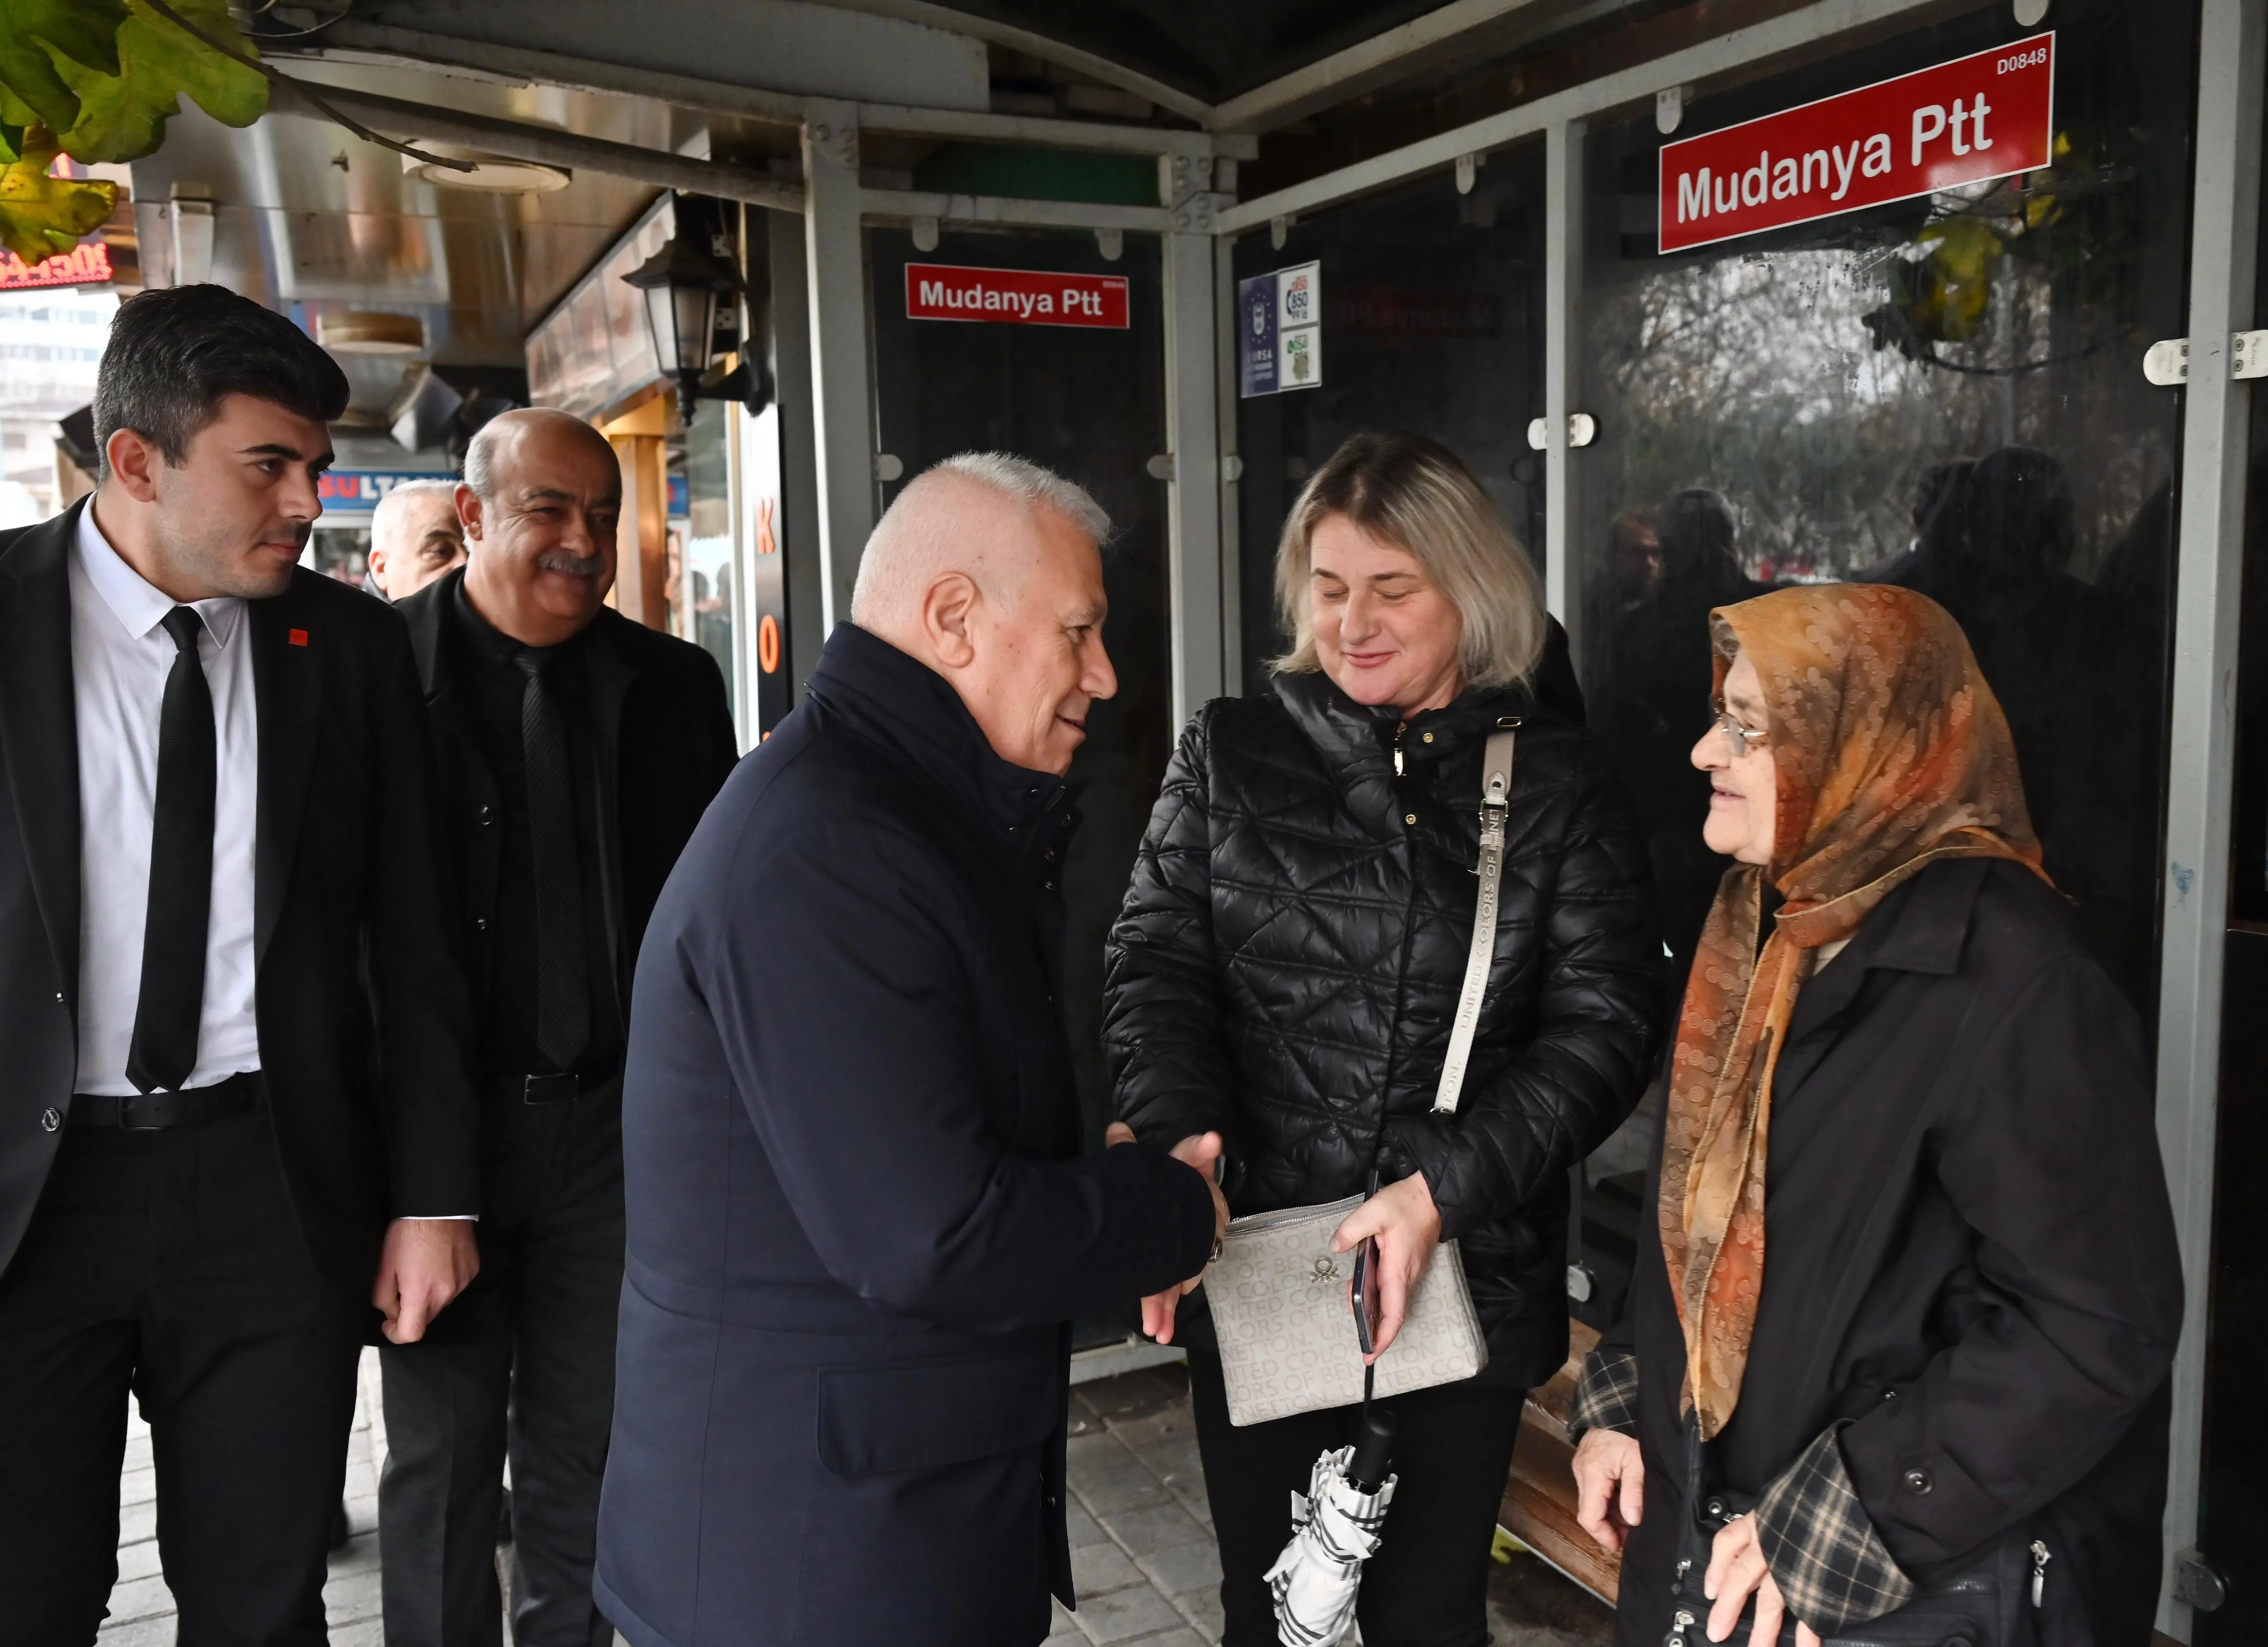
pixel 300 90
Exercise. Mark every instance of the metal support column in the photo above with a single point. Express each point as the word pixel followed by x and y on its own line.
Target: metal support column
pixel 798 444
pixel 1231 470
pixel 1193 490
pixel 842 392
pixel 2224 222
pixel 1563 341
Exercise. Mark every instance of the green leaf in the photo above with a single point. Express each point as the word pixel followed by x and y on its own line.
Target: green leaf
pixel 123 116
pixel 38 36
pixel 42 216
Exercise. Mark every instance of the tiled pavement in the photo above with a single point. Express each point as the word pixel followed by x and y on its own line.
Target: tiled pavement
pixel 1142 1548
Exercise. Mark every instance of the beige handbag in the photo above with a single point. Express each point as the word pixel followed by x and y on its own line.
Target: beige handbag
pixel 1278 1294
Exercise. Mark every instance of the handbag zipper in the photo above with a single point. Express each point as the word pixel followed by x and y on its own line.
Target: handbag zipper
pixel 2041 1557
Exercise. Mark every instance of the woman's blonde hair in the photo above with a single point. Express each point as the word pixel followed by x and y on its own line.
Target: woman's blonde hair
pixel 1414 493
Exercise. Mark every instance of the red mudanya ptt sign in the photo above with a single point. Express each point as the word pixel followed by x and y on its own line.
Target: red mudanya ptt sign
pixel 1978 117
pixel 1019 297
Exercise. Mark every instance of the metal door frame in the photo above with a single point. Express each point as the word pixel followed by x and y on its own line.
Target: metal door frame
pixel 2210 545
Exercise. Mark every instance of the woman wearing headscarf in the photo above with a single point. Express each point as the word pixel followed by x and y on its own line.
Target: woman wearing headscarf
pixel 1916 1292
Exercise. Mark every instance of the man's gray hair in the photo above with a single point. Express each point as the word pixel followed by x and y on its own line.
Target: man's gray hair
pixel 916 539
pixel 399 498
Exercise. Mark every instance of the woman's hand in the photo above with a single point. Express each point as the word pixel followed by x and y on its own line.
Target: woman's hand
pixel 1736 1571
pixel 1406 1224
pixel 1610 1487
pixel 1201 1152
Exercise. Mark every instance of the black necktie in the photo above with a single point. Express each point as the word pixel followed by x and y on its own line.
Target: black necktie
pixel 164 1050
pixel 563 989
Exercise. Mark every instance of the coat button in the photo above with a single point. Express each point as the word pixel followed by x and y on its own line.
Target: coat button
pixel 488 816
pixel 51 1119
pixel 1050 855
pixel 1428 738
pixel 1408 818
pixel 59 997
pixel 479 923
pixel 1919 1481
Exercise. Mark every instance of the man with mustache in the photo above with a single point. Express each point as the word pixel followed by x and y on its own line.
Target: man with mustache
pixel 577 750
pixel 235 1107
pixel 861 1216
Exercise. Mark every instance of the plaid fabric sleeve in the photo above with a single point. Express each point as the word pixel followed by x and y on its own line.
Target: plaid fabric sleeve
pixel 1831 1564
pixel 1606 1396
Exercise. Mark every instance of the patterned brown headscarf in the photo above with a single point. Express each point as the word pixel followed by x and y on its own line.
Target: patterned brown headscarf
pixel 1892 753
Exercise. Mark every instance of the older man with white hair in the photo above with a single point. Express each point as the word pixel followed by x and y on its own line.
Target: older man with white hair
pixel 414 537
pixel 859 1217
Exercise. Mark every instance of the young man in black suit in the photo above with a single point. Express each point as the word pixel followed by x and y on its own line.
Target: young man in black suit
pixel 576 752
pixel 235 1122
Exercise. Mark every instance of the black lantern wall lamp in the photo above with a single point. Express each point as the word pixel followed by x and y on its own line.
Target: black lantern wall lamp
pixel 683 286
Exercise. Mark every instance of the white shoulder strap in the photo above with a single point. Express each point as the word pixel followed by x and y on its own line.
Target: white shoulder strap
pixel 1495 794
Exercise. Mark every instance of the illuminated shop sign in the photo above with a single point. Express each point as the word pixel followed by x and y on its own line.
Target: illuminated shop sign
pixel 1018 297
pixel 1982 116
pixel 86 264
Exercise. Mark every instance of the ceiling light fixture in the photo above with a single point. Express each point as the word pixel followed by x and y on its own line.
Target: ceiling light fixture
pixel 492 174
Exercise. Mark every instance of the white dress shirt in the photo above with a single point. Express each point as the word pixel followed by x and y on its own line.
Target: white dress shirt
pixel 120 659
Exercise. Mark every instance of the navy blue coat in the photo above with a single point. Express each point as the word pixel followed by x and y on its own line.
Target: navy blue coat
pixel 859 1217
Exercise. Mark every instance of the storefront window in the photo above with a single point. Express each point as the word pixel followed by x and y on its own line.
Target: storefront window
pixel 703 606
pixel 1944 393
pixel 1431 321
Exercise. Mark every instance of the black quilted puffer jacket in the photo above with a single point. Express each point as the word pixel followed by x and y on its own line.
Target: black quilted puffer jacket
pixel 1288 960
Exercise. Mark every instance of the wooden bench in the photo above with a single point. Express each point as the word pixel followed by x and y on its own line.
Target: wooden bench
pixel 1539 1496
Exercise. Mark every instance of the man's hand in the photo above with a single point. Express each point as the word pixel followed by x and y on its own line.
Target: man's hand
pixel 1407 1226
pixel 425 1263
pixel 1203 1152
pixel 1610 1487
pixel 1737 1570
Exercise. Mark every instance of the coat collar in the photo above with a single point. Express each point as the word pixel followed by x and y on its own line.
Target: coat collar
pixel 39 734
pixel 1361 735
pixel 900 703
pixel 1920 927
pixel 288 651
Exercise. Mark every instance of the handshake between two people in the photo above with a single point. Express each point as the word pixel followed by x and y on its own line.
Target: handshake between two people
pixel 1400 1220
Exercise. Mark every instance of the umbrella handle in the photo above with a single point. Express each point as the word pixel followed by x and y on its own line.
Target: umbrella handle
pixel 1374 1450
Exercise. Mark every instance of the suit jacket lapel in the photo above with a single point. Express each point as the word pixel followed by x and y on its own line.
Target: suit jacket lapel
pixel 38 735
pixel 287 676
pixel 612 675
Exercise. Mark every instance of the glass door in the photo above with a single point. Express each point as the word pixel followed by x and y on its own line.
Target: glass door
pixel 1944 393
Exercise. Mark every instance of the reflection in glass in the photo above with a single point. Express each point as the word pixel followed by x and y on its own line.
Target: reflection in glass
pixel 1944 394
pixel 1941 394
pixel 703 608
pixel 1432 320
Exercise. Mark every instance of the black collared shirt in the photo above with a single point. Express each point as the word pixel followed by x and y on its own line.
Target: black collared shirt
pixel 495 688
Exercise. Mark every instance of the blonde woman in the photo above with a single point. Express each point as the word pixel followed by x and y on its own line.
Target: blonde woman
pixel 1286 967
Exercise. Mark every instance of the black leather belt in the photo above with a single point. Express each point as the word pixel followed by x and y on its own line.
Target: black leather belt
pixel 152 1111
pixel 551 1089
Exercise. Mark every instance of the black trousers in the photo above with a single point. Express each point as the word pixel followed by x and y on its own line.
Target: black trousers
pixel 1427 1586
pixel 521 1366
pixel 171 1264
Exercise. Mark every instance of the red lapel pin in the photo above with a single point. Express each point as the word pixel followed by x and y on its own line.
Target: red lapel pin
pixel 296 636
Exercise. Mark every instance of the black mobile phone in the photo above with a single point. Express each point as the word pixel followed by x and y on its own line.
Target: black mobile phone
pixel 1366 1295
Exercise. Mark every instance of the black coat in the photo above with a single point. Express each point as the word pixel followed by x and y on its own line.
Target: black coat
pixel 364 1025
pixel 860 1220
pixel 665 742
pixel 1967 1250
pixel 1287 964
